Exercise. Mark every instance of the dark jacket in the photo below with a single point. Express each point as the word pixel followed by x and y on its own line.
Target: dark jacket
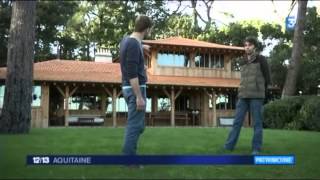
pixel 255 77
pixel 132 61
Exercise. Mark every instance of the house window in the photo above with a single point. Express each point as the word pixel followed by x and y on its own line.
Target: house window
pixel 235 64
pixel 182 103
pixel 217 61
pixel 164 104
pixel 36 96
pixel 122 105
pixel 180 59
pixel 202 60
pixel 148 105
pixel 1 95
pixel 206 60
pixel 224 101
pixel 84 102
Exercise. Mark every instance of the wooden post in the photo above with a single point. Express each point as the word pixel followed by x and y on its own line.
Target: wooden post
pixel 73 91
pixel 205 107
pixel 192 60
pixel 154 107
pixel 198 105
pixel 227 64
pixel 172 107
pixel 45 105
pixel 114 104
pixel 172 96
pixel 66 105
pixel 154 103
pixel 103 106
pixel 153 60
pixel 214 109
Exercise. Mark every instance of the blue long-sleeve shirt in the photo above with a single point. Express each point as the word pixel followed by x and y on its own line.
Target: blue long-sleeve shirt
pixel 132 61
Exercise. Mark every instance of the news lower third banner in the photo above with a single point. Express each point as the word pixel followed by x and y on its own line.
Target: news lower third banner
pixel 161 160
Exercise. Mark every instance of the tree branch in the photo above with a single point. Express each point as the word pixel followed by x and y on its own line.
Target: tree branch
pixel 201 18
pixel 176 11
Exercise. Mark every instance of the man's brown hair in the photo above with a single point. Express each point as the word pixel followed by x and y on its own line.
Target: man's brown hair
pixel 142 23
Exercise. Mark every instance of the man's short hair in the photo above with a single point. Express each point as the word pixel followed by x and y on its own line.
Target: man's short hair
pixel 142 23
pixel 252 40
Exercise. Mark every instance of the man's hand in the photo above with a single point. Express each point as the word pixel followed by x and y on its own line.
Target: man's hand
pixel 146 50
pixel 139 98
pixel 140 104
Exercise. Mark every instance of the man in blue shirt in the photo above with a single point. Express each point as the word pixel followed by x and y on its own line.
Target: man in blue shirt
pixel 134 80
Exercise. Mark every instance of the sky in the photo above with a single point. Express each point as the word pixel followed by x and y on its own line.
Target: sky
pixel 263 10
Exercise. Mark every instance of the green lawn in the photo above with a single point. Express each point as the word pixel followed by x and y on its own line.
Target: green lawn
pixel 14 148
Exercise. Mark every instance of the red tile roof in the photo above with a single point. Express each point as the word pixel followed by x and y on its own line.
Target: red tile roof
pixel 180 41
pixel 98 72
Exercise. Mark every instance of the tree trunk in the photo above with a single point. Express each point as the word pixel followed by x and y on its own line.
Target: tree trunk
pixel 289 88
pixel 88 52
pixel 194 15
pixel 16 112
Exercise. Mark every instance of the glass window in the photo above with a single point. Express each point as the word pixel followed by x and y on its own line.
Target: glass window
pixel 2 88
pixel 217 61
pixel 121 105
pixel 36 96
pixel 109 104
pixel 148 105
pixel 164 104
pixel 199 60
pixel 221 58
pixel 75 103
pixel 221 100
pixel 206 60
pixel 182 103
pixel 84 102
pixel 173 59
pixel 235 65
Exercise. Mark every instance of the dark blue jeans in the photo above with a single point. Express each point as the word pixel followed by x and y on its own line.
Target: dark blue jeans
pixel 135 123
pixel 256 108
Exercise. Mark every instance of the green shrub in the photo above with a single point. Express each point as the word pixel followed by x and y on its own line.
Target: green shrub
pixel 280 113
pixel 298 112
pixel 309 114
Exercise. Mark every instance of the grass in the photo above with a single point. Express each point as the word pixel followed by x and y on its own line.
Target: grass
pixel 14 148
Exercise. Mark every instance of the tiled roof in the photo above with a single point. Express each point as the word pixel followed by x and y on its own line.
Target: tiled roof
pixel 98 72
pixel 179 41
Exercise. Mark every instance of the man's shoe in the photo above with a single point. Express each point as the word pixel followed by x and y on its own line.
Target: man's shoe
pixel 255 152
pixel 224 150
pixel 134 166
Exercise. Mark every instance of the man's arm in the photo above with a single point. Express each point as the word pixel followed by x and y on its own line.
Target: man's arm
pixel 265 71
pixel 136 89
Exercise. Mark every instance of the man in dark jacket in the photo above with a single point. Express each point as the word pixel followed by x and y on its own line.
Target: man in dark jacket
pixel 134 78
pixel 255 78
